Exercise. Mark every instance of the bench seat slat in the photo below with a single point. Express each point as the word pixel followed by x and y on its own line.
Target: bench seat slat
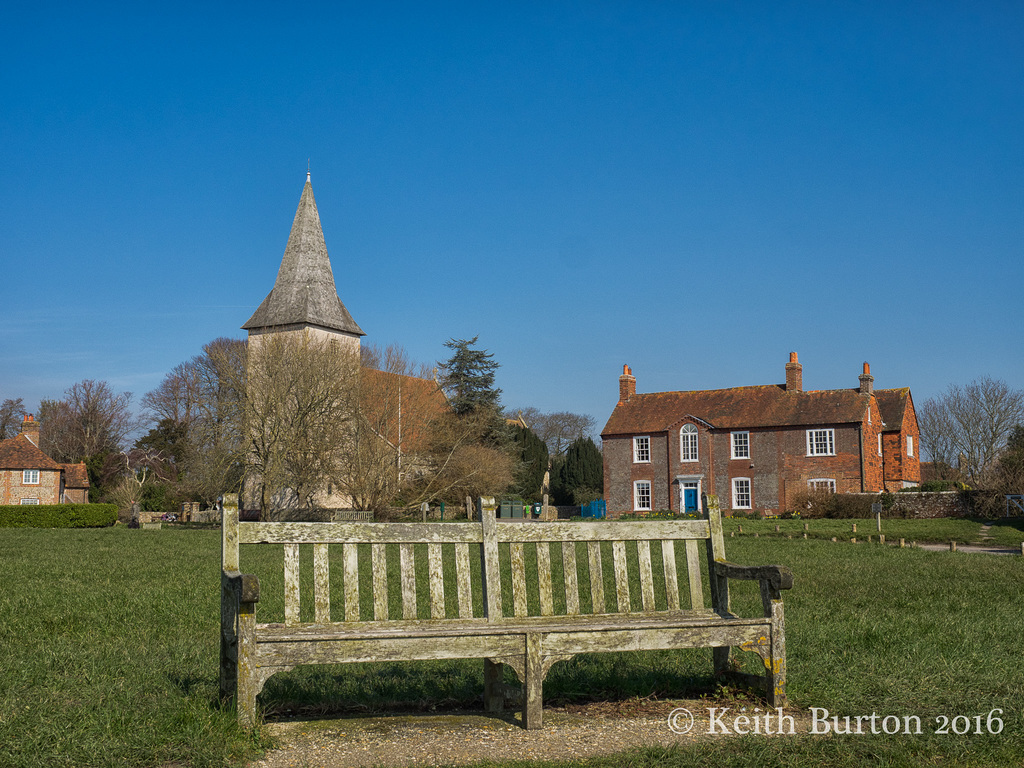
pixel 463 581
pixel 518 564
pixel 321 583
pixel 379 564
pixel 350 554
pixel 621 577
pixel 291 583
pixel 435 581
pixel 572 589
pixel 408 568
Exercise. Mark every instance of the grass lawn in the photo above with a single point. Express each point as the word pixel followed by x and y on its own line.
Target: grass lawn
pixel 109 646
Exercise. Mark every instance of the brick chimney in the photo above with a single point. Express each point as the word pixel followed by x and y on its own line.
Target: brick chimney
pixel 867 381
pixel 627 385
pixel 794 374
pixel 30 429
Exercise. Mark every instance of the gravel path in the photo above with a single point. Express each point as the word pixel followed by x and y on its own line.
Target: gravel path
pixel 461 739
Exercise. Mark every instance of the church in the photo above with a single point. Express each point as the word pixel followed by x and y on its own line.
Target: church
pixel 304 302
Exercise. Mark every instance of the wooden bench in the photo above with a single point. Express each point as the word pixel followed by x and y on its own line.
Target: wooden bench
pixel 599 587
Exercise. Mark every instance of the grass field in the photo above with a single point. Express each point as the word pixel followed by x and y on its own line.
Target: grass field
pixel 109 646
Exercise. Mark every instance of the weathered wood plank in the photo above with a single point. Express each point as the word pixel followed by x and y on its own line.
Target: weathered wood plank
pixel 379 565
pixel 229 533
pixel 291 583
pixel 436 581
pixel 491 567
pixel 693 575
pixel 668 555
pixel 407 565
pixel 621 576
pixel 572 587
pixel 350 555
pixel 643 550
pixel 596 577
pixel 341 533
pixel 544 578
pixel 508 531
pixel 463 580
pixel 518 563
pixel 322 584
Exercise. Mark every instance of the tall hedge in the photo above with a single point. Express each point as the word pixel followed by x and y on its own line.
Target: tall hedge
pixel 57 515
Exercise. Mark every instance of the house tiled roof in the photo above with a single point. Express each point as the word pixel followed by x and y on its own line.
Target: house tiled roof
pixel 892 404
pixel 304 292
pixel 75 475
pixel 737 408
pixel 21 453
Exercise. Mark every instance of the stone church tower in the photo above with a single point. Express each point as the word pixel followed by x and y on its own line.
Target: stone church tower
pixel 304 297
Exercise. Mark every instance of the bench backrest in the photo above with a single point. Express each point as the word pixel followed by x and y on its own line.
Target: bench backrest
pixel 490 569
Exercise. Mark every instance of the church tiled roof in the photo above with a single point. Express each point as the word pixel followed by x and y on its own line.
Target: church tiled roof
pixel 304 292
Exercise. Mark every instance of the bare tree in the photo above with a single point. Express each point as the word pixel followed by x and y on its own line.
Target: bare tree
pixel 558 430
pixel 968 427
pixel 89 420
pixel 12 413
pixel 294 414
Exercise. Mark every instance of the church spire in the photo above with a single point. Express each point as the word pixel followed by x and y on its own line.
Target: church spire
pixel 304 293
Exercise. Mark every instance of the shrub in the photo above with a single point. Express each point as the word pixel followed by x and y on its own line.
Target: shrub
pixel 836 506
pixel 57 515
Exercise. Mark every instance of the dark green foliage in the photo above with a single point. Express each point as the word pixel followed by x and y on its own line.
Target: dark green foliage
pixel 531 455
pixel 580 476
pixel 467 377
pixel 57 515
pixel 169 439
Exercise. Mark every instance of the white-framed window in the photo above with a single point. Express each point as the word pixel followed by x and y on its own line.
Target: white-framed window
pixel 821 442
pixel 822 484
pixel 642 496
pixel 641 450
pixel 688 443
pixel 741 445
pixel 741 493
pixel 30 501
pixel 910 445
pixel 30 477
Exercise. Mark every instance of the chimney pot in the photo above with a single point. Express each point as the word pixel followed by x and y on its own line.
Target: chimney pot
pixel 627 384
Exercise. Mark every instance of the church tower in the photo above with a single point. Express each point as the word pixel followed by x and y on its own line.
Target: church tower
pixel 304 297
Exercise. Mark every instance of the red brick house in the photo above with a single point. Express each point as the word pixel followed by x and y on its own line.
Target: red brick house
pixel 29 476
pixel 756 447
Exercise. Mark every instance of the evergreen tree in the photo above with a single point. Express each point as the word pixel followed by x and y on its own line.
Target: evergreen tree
pixel 532 457
pixel 580 476
pixel 467 378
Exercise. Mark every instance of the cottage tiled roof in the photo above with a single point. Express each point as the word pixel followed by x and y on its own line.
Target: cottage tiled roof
pixel 304 292
pixel 767 405
pixel 892 404
pixel 76 475
pixel 21 453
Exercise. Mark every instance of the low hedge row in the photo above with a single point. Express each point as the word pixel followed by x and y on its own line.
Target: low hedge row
pixel 57 515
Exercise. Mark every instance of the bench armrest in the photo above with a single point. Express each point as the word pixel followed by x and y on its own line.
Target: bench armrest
pixel 778 577
pixel 245 585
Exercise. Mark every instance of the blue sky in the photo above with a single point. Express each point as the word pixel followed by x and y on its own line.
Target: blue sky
pixel 695 189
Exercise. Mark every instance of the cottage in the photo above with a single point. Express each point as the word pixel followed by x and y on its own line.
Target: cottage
pixel 29 476
pixel 756 447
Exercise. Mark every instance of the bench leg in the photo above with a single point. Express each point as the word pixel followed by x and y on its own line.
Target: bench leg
pixel 721 658
pixel 775 680
pixel 533 684
pixel 494 686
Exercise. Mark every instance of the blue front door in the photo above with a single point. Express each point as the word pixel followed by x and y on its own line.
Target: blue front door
pixel 689 497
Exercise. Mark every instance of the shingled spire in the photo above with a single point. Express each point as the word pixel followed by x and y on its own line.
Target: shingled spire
pixel 304 294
